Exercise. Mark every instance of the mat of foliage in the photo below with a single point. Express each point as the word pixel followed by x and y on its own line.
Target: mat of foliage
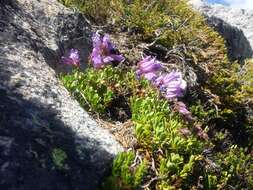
pixel 213 150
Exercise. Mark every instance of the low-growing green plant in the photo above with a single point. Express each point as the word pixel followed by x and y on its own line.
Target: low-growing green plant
pixel 203 114
pixel 177 156
pixel 234 169
pixel 157 130
pixel 97 10
pixel 95 88
pixel 170 154
pixel 246 78
pixel 157 126
pixel 127 173
pixel 169 21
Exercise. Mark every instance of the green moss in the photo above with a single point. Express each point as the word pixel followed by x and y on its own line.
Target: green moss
pixel 59 158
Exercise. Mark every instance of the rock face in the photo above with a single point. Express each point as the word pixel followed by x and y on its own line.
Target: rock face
pixel 235 25
pixel 47 141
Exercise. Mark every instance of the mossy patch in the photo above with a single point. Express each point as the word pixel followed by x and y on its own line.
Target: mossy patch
pixel 59 158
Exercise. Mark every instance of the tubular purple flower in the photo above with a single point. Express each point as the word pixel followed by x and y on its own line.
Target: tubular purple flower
pixel 151 68
pixel 158 81
pixel 148 68
pixel 97 60
pixel 172 76
pixel 149 64
pixel 150 76
pixel 96 40
pixel 113 57
pixel 182 108
pixel 173 93
pixel 172 83
pixel 107 44
pixel 138 72
pixel 73 58
pixel 103 51
pixel 145 61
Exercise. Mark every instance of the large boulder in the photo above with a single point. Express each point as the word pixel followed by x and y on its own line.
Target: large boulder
pixel 47 141
pixel 234 24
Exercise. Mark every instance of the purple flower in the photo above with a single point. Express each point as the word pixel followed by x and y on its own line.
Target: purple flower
pixel 181 108
pixel 150 76
pixel 73 58
pixel 171 85
pixel 107 43
pixel 148 68
pixel 103 51
pixel 148 65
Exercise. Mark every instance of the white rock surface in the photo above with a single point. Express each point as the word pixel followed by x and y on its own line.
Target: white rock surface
pixel 236 17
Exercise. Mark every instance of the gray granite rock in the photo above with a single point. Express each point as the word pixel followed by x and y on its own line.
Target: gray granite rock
pixel 234 24
pixel 38 116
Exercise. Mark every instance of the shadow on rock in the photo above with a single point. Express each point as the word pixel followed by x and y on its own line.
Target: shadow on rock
pixel 47 142
pixel 50 34
pixel 237 44
pixel 37 151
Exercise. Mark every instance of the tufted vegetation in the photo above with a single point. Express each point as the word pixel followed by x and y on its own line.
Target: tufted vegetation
pixel 212 151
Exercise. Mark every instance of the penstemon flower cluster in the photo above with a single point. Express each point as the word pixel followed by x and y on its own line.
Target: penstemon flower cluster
pixel 103 52
pixel 148 68
pixel 171 85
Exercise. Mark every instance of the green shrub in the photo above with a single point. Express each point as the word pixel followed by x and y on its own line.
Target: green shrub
pixel 171 159
pixel 157 130
pixel 96 88
pixel 125 173
pixel 158 127
pixel 89 88
pixel 245 77
pixel 97 10
pixel 236 170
